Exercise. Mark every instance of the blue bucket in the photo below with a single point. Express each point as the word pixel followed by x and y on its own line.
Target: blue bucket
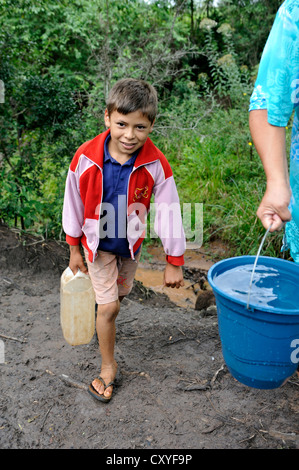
pixel 259 342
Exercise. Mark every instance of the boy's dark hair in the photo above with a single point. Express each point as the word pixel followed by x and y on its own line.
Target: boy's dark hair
pixel 129 95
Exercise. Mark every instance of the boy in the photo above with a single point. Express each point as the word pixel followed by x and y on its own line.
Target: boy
pixel 107 198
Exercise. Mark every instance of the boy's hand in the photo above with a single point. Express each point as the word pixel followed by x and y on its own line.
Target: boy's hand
pixel 76 260
pixel 173 276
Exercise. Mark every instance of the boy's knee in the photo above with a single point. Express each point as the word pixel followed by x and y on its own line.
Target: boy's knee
pixel 109 311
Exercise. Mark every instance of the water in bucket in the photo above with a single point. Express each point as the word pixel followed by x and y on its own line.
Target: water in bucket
pixel 258 338
pixel 270 287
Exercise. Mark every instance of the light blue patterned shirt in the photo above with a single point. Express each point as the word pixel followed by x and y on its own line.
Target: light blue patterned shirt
pixel 277 90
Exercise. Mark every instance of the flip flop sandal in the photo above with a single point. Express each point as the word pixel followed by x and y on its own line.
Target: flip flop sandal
pixel 98 395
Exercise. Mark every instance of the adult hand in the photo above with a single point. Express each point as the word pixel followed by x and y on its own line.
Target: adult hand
pixel 273 208
pixel 173 276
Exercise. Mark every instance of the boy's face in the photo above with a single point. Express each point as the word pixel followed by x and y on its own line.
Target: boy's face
pixel 128 133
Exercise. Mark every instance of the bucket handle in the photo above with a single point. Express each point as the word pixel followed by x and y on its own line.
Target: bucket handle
pixel 255 262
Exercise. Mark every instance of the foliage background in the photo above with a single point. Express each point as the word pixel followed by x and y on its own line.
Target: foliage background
pixel 60 58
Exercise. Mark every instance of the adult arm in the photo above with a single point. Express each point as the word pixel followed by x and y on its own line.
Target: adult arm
pixel 270 143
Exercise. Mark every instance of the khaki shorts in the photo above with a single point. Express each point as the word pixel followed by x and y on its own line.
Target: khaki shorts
pixel 112 276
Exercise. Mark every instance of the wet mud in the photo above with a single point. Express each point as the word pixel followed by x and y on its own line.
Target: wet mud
pixel 174 390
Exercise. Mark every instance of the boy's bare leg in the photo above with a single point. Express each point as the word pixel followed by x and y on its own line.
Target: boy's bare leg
pixel 105 326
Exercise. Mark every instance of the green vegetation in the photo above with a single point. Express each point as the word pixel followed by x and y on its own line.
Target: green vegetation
pixel 60 58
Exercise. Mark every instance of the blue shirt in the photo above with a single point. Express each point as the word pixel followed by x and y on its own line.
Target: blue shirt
pixel 277 90
pixel 113 217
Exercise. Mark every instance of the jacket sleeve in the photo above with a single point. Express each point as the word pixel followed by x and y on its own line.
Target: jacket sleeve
pixel 168 221
pixel 73 210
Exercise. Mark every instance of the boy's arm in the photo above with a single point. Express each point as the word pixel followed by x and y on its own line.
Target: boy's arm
pixel 169 227
pixel 72 218
pixel 73 210
pixel 270 144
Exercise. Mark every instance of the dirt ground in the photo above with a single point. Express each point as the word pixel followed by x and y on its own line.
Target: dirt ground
pixel 175 391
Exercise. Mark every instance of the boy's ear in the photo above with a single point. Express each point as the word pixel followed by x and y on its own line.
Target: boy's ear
pixel 152 125
pixel 107 118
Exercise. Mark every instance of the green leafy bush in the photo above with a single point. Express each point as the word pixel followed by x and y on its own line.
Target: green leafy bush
pixel 58 61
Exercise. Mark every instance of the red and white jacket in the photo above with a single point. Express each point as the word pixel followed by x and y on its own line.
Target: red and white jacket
pixel 151 174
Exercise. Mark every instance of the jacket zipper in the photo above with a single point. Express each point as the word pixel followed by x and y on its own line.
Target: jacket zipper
pixel 134 169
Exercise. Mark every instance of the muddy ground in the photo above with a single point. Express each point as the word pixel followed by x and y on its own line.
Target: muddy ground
pixel 175 391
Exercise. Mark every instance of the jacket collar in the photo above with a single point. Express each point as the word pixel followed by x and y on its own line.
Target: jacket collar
pixel 148 154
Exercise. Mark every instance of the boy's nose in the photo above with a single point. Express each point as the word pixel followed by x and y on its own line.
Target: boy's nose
pixel 129 134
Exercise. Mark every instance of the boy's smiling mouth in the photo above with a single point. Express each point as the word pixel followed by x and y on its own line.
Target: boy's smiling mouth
pixel 127 145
